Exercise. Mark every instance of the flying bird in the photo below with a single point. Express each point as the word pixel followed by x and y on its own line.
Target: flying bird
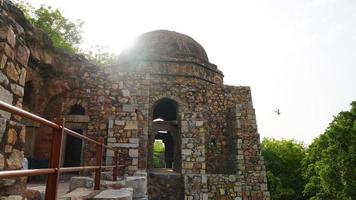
pixel 278 112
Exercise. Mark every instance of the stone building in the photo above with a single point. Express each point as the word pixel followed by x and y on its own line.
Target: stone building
pixel 164 89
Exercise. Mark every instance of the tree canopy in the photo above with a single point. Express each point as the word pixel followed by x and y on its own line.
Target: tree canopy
pixel 284 168
pixel 64 33
pixel 330 163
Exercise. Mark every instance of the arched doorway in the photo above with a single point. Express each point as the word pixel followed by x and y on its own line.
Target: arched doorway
pixel 165 180
pixel 164 138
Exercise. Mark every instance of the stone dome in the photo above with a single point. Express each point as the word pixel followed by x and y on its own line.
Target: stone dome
pixel 165 45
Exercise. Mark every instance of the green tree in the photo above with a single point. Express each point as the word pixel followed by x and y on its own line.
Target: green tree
pixel 64 33
pixel 283 160
pixel 100 56
pixel 330 163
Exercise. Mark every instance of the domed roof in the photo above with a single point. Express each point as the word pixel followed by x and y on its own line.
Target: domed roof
pixel 165 45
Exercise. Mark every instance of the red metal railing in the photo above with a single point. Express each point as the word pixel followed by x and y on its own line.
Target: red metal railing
pixel 54 168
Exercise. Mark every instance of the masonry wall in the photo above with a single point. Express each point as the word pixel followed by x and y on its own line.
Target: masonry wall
pixel 220 153
pixel 13 62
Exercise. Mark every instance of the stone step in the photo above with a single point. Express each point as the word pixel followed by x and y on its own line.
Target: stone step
pixel 78 194
pixel 112 194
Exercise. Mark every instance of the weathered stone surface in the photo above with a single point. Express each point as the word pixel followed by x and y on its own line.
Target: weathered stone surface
pixel 78 194
pixel 138 184
pixel 2 127
pixel 131 125
pixel 7 182
pixel 133 153
pixel 4 47
pixel 15 159
pixel 12 72
pixel 35 193
pixel 3 79
pixel 110 194
pixel 7 97
pixel 22 55
pixel 80 182
pixel 2 162
pixel 16 89
pixel 3 59
pixel 11 136
pixel 214 132
pixel 8 34
pixel 128 108
pixel 11 197
pixel 22 77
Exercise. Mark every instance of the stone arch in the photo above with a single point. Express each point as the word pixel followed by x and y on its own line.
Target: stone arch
pixel 167 131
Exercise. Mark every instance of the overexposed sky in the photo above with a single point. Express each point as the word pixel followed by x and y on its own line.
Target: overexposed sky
pixel 298 56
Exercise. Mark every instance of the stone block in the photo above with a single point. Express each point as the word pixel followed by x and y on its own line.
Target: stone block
pixel 112 194
pixel 80 182
pixel 35 193
pixel 119 122
pixel 128 108
pixel 2 162
pixel 15 159
pixel 12 197
pixel 11 136
pixel 186 151
pixel 16 89
pixel 12 72
pixel 8 34
pixel 3 79
pixel 77 194
pixel 22 77
pixel 2 127
pixel 133 140
pixel 22 55
pixel 133 153
pixel 111 140
pixel 131 125
pixel 125 93
pixel 77 118
pixel 4 47
pixel 7 97
pixel 111 123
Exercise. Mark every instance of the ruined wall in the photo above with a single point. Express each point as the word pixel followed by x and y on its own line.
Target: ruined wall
pixel 13 62
pixel 219 144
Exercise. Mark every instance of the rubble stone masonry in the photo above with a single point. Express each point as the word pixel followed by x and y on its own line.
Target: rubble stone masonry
pixel 216 143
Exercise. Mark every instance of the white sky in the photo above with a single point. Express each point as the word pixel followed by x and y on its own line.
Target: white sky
pixel 298 56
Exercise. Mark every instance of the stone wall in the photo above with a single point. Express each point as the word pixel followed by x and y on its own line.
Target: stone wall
pixel 13 62
pixel 219 149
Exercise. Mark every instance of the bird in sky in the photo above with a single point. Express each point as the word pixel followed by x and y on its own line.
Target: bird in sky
pixel 278 112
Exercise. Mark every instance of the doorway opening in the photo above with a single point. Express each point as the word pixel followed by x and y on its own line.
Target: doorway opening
pixel 73 147
pixel 165 140
pixel 163 150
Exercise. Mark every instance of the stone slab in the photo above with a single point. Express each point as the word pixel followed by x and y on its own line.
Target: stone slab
pixel 111 194
pixel 79 193
pixel 80 182
pixel 138 184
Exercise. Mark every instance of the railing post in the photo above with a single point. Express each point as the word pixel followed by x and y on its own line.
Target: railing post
pixel 114 174
pixel 54 162
pixel 99 160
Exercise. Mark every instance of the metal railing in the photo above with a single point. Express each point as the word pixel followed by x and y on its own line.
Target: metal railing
pixel 53 171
